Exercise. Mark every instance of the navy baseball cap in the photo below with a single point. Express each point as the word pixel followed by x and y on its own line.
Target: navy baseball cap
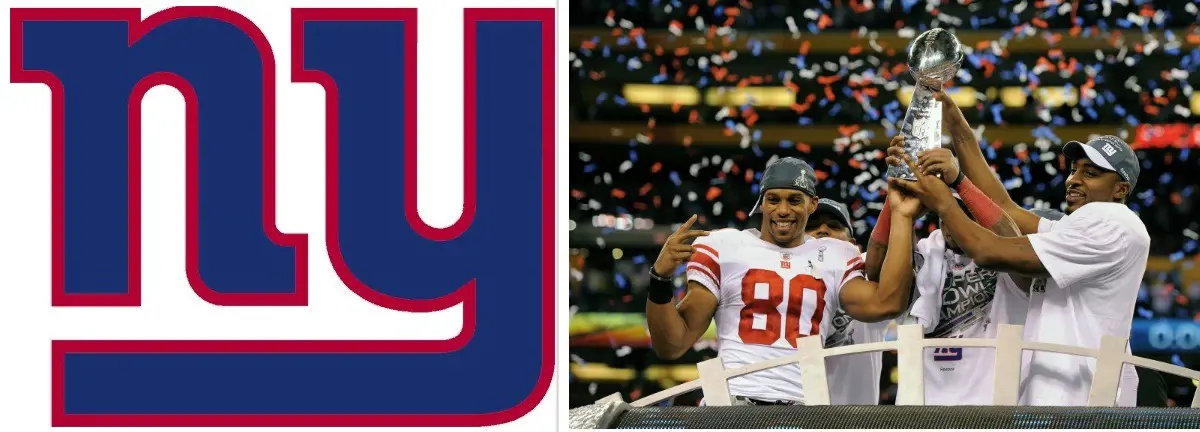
pixel 787 173
pixel 837 209
pixel 1108 152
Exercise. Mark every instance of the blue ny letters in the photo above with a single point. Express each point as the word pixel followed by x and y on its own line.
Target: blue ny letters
pixel 495 260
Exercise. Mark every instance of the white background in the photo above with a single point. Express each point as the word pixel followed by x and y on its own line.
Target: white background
pixel 169 307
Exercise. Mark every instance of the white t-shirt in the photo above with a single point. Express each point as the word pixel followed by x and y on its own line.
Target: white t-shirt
pixel 854 378
pixel 975 301
pixel 1096 258
pixel 767 297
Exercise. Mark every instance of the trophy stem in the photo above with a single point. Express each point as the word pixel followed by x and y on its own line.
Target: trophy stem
pixel 922 128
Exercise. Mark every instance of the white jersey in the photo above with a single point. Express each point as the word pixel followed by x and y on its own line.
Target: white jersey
pixel 854 378
pixel 767 297
pixel 1096 258
pixel 975 301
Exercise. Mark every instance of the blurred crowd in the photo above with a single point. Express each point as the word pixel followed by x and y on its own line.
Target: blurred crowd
pixel 1135 76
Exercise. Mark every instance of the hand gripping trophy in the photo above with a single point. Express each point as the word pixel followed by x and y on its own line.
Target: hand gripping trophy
pixel 933 58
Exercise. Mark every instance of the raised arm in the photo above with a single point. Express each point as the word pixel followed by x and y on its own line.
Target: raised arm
pixel 1014 255
pixel 871 301
pixel 941 162
pixel 1007 254
pixel 976 168
pixel 675 328
pixel 877 245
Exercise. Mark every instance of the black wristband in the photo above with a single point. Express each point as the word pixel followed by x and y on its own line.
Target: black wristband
pixel 957 180
pixel 660 291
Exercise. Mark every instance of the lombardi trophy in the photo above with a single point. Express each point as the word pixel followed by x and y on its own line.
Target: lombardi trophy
pixel 933 58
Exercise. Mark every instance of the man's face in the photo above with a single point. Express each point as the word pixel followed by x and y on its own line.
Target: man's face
pixel 785 212
pixel 1088 183
pixel 824 224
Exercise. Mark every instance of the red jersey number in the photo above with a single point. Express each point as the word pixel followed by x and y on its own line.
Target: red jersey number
pixel 799 288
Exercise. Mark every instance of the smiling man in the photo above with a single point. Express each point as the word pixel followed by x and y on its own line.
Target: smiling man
pixel 767 287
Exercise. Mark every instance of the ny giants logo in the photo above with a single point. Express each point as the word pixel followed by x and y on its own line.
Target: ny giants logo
pixel 99 63
pixel 948 353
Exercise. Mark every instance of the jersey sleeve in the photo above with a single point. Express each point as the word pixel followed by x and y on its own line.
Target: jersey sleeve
pixel 1045 225
pixel 847 264
pixel 705 264
pixel 1083 246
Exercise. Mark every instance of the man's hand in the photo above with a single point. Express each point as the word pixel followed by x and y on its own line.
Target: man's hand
pixel 939 162
pixel 903 203
pixel 931 190
pixel 676 250
pixel 952 115
pixel 895 151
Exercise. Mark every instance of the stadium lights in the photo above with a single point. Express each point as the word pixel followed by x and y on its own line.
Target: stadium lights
pixel 768 97
pixel 960 97
pixel 622 222
pixel 1011 97
pixel 602 372
pixel 782 97
pixel 654 94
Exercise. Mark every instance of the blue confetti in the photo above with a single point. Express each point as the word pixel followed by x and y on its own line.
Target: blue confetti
pixel 622 283
pixel 675 178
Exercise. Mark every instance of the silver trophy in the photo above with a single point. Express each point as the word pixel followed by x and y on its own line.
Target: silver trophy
pixel 933 58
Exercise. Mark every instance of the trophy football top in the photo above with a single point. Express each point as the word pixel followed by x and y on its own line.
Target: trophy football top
pixel 934 57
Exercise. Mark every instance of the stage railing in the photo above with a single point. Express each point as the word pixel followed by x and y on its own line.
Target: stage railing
pixel 910 345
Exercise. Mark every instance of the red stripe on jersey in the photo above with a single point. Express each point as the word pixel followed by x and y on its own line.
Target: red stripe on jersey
pixel 854 261
pixel 858 267
pixel 708 262
pixel 819 313
pixel 709 249
pixel 705 272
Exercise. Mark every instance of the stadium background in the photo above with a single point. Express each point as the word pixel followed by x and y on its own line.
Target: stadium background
pixel 676 106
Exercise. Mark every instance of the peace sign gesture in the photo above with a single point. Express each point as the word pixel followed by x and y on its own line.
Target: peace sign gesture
pixel 677 250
